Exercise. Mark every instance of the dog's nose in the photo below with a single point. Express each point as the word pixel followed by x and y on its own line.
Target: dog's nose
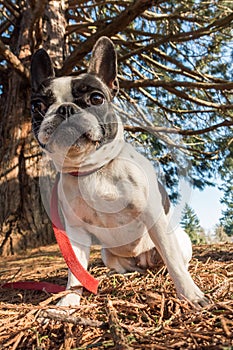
pixel 66 110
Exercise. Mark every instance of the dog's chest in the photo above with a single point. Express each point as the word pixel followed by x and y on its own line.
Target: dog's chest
pixel 113 198
pixel 102 201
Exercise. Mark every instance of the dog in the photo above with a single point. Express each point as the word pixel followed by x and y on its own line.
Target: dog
pixel 106 190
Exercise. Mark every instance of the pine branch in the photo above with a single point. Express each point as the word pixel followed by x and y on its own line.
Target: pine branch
pixel 14 61
pixel 6 24
pixel 212 27
pixel 130 84
pixel 12 8
pixel 197 100
pixel 171 87
pixel 215 25
pixel 141 49
pixel 190 17
pixel 118 23
pixel 167 130
pixel 172 110
pixel 191 73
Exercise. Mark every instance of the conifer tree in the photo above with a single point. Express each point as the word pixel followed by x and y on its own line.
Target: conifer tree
pixel 175 61
pixel 191 224
pixel 226 172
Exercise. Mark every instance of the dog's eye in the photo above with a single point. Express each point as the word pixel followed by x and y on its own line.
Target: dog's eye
pixel 38 106
pixel 97 98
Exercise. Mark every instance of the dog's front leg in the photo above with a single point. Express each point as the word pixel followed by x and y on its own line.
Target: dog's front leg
pixel 170 250
pixel 81 242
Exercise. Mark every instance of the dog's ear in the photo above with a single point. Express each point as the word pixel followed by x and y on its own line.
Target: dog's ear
pixel 41 68
pixel 103 63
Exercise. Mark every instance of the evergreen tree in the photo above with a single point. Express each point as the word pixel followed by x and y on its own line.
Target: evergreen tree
pixel 175 60
pixel 227 219
pixel 191 224
pixel 226 171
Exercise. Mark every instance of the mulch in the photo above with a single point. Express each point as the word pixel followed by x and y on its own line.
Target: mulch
pixel 132 311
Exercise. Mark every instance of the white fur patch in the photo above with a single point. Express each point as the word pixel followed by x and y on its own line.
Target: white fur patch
pixel 61 88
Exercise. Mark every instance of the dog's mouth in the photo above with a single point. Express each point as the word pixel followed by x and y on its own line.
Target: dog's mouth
pixel 73 136
pixel 87 139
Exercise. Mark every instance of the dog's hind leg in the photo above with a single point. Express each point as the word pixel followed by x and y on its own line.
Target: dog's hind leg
pixel 118 263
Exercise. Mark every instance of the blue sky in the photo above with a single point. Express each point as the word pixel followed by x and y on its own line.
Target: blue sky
pixel 207 206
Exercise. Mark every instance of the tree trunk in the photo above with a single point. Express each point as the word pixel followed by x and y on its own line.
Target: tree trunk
pixel 23 220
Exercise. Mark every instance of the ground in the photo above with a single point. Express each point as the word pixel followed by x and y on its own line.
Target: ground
pixel 132 311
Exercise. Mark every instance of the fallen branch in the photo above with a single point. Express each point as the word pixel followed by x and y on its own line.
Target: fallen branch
pixel 78 321
pixel 115 328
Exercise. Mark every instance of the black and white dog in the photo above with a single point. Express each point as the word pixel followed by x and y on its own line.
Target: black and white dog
pixel 106 189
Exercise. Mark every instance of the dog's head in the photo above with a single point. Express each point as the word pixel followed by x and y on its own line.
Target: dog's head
pixel 72 117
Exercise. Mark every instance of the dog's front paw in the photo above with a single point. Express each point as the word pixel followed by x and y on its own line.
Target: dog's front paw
pixel 196 297
pixel 66 306
pixel 71 299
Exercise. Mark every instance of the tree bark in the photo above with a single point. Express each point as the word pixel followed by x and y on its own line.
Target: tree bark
pixel 23 220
